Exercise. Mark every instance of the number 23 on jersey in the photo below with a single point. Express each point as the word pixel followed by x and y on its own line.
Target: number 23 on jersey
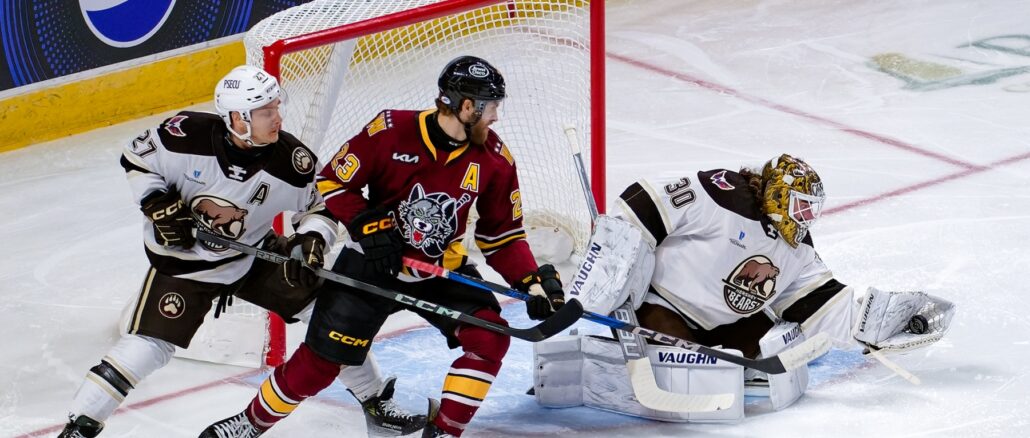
pixel 345 165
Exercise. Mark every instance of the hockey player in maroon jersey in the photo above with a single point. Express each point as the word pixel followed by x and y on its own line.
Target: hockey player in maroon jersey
pixel 424 170
pixel 230 173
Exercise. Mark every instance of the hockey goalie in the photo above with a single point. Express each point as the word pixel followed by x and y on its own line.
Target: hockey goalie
pixel 723 259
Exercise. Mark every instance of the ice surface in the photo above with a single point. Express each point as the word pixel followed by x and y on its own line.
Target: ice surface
pixel 915 113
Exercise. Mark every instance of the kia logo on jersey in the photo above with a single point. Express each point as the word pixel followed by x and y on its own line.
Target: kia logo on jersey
pixel 125 23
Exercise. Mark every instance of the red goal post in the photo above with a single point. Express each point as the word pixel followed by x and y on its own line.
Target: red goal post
pixel 342 61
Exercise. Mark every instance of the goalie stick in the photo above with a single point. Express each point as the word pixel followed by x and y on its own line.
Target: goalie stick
pixel 547 328
pixel 791 358
pixel 634 348
pixel 642 380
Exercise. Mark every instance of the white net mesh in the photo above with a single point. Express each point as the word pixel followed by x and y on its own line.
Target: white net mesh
pixel 541 47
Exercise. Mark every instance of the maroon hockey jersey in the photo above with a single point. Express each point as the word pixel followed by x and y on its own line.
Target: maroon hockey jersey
pixel 430 192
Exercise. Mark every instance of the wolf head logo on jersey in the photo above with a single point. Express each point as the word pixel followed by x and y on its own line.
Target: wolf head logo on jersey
pixel 220 216
pixel 429 221
pixel 751 284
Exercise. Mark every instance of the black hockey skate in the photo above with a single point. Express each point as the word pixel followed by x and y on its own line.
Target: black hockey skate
pixel 384 418
pixel 81 427
pixel 431 431
pixel 236 426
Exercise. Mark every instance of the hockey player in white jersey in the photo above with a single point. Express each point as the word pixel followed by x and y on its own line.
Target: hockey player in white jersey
pixel 722 258
pixel 229 173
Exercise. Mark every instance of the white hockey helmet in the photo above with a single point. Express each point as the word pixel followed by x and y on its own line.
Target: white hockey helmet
pixel 243 90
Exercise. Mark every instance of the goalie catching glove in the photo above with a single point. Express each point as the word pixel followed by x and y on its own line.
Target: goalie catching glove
pixel 544 288
pixel 173 225
pixel 895 322
pixel 307 253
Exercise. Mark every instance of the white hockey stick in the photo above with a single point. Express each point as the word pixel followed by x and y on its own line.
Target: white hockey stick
pixel 641 375
pixel 634 348
pixel 894 367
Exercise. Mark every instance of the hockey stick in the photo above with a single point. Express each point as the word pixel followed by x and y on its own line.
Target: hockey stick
pixel 794 357
pixel 642 380
pixel 633 346
pixel 547 328
pixel 891 365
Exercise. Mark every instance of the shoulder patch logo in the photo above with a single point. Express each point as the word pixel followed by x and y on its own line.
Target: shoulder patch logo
pixel 751 284
pixel 303 162
pixel 174 126
pixel 719 179
pixel 377 125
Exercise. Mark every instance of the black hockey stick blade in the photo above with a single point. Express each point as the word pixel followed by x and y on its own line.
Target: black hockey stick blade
pixel 545 329
pixel 794 357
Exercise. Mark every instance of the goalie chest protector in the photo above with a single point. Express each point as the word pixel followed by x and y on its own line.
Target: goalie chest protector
pixel 718 258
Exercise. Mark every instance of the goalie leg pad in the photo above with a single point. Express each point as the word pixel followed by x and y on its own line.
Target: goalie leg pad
pixel 786 388
pixel 573 371
pixel 617 266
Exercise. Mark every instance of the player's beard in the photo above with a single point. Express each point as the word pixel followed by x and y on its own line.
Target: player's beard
pixel 479 132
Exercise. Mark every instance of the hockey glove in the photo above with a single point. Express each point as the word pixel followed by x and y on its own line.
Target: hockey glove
pixel 173 225
pixel 376 232
pixel 304 249
pixel 544 288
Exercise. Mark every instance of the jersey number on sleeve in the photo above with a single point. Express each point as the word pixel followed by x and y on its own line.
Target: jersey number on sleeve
pixel 143 145
pixel 680 193
pixel 516 201
pixel 345 164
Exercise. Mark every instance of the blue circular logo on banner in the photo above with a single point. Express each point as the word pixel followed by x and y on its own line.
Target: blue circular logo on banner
pixel 125 23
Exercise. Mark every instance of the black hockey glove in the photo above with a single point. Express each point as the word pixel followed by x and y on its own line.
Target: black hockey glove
pixel 309 248
pixel 376 232
pixel 173 225
pixel 544 288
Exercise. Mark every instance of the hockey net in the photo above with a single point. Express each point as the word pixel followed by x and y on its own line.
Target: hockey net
pixel 342 61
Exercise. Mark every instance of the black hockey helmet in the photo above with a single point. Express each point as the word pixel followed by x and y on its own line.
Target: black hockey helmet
pixel 469 77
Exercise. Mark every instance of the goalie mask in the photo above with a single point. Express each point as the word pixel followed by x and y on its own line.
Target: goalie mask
pixel 793 196
pixel 244 89
pixel 469 77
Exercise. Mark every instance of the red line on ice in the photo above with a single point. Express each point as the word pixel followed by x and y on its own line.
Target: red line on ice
pixel 722 89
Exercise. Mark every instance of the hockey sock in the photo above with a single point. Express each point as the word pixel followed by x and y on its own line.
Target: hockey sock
pixel 470 376
pixel 363 381
pixel 303 376
pixel 130 360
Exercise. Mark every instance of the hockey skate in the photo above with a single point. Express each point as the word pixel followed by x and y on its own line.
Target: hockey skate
pixel 384 418
pixel 236 426
pixel 81 427
pixel 431 431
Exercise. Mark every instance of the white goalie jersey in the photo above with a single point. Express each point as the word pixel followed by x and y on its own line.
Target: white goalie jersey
pixel 228 192
pixel 719 259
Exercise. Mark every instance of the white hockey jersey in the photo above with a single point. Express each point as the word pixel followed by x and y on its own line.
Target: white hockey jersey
pixel 718 258
pixel 235 195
